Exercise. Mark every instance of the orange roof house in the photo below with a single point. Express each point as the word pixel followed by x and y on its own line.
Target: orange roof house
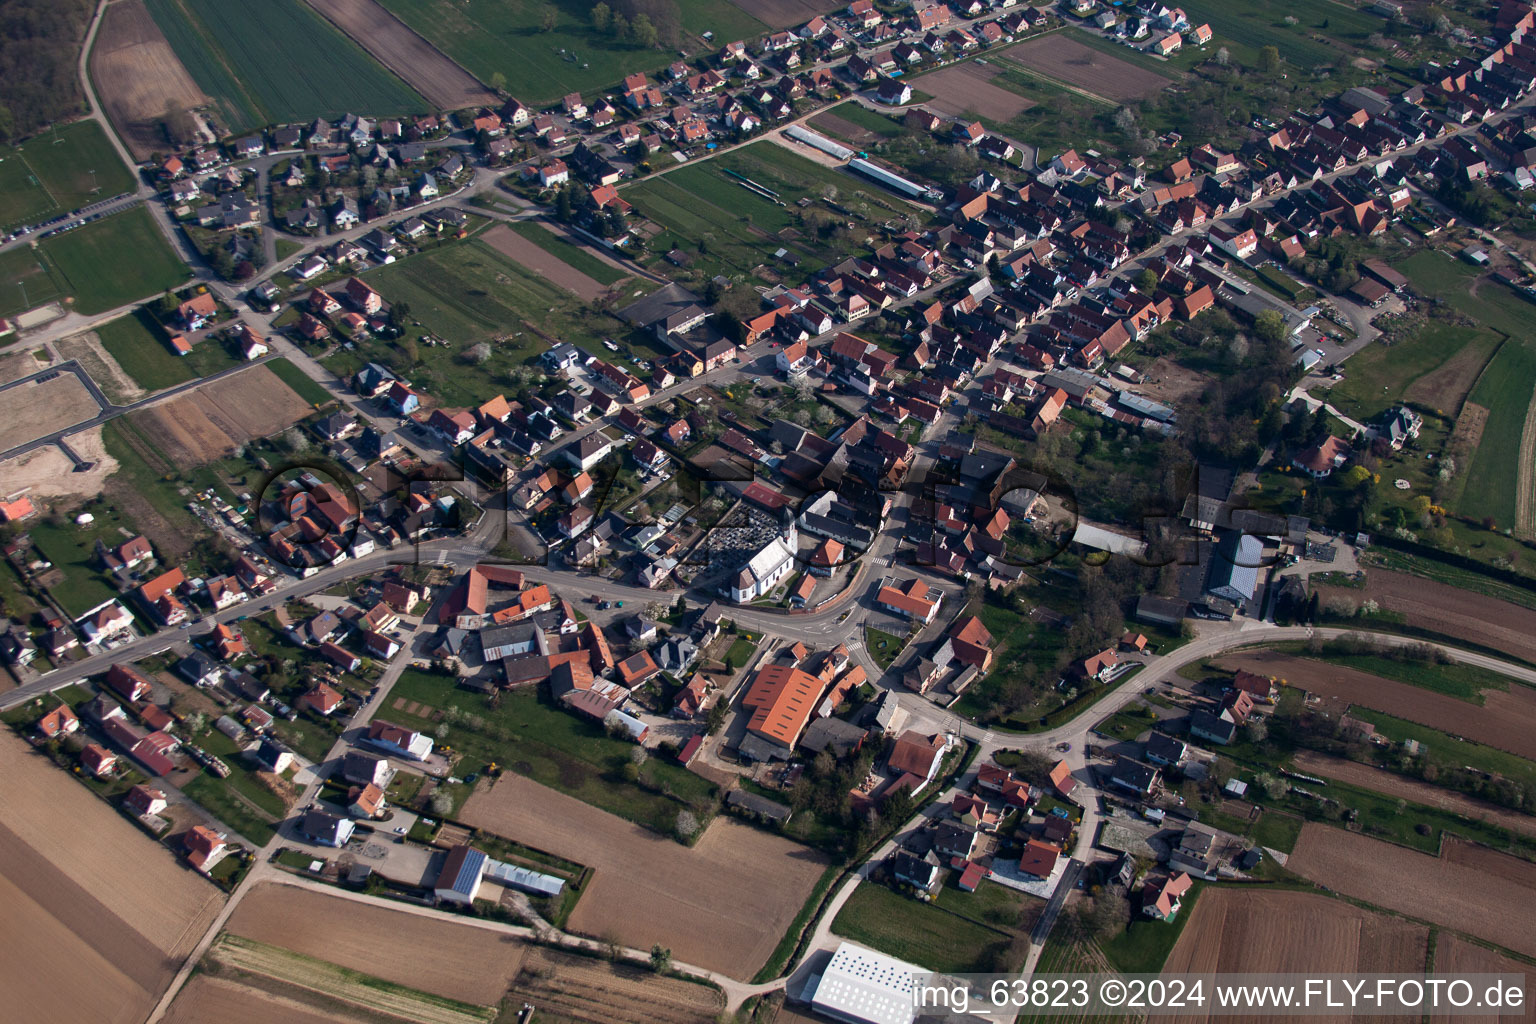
pixel 1039 859
pixel 98 760
pixel 1061 778
pixel 637 669
pixel 1162 901
pixel 21 508
pixel 205 848
pixel 782 699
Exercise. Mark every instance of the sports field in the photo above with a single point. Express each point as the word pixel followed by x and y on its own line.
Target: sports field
pixel 50 174
pixel 277 61
pixel 24 281
pixel 538 67
pixel 88 263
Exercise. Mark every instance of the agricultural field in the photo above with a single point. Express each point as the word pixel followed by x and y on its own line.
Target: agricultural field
pixel 1394 785
pixel 523 249
pixel 784 13
pixel 42 406
pixel 395 45
pixel 1324 32
pixel 1506 719
pixel 966 89
pixel 570 988
pixel 579 257
pixel 505 44
pixel 89 896
pixel 433 954
pixel 707 902
pixel 727 228
pixel 1237 930
pixel 50 174
pixel 1436 368
pixel 253 82
pixel 1477 618
pixel 138 77
pixel 211 421
pixel 917 932
pixel 1472 889
pixel 87 262
pixel 204 998
pixel 355 988
pixel 1066 59
pixel 856 123
pixel 466 294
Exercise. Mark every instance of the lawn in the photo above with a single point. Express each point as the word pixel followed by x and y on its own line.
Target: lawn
pixel 1378 376
pixel 1505 390
pixel 72 549
pixel 138 343
pixel 50 174
pixel 468 293
pixel 302 383
pixel 917 932
pixel 113 262
pixel 741 651
pixel 1451 752
pixel 528 735
pixel 278 61
pixel 883 647
pixel 25 281
pixel 507 40
pixel 869 120
pixel 219 799
pixel 574 256
pixel 1245 28
pixel 1142 947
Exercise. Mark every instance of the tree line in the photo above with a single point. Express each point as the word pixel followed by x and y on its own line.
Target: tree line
pixel 39 45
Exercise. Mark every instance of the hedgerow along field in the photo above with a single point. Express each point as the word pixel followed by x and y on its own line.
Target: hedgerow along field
pixel 51 173
pixel 507 39
pixel 89 264
pixel 278 61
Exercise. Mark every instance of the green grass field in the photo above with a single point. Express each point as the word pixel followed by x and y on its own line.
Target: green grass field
pixel 869 120
pixel 571 254
pixel 278 61
pixel 883 646
pixel 71 549
pixel 218 797
pixel 917 932
pixel 25 281
pixel 1378 376
pixel 302 383
pixel 468 293
pixel 1451 752
pixel 92 263
pixel 1246 27
pixel 552 746
pixel 50 174
pixel 539 67
pixel 138 344
pixel 1142 948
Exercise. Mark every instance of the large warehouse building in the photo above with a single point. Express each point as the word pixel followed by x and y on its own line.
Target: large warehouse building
pixel 864 987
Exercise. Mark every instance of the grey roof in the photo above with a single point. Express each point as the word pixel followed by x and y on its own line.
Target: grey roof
pixel 1235 569
pixel 659 305
pixel 770 809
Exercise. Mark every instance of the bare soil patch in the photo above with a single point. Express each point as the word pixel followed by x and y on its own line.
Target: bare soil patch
pixel 113 380
pixel 392 43
pixel 1237 930
pixel 1167 381
pixel 967 89
pixel 40 407
pixel 1382 781
pixel 842 128
pixel 1447 385
pixel 205 998
pixel 427 953
pixel 1506 719
pixel 212 421
pixel 1455 955
pixel 578 988
pixel 18 364
pixel 47 472
pixel 1477 618
pixel 513 245
pixel 1070 61
pixel 1470 888
pixel 784 13
pixel 138 76
pixel 714 904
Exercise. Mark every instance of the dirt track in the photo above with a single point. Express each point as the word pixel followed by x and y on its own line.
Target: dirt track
pixel 438 956
pixel 1382 781
pixel 1450 610
pixel 392 43
pixel 967 88
pixel 1238 930
pixel 524 252
pixel 1507 719
pixel 1473 889
pixel 722 904
pixel 138 76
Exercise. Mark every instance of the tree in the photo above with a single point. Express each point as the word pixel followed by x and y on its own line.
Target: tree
pixel 498 81
pixel 441 803
pixel 714 719
pixel 638 756
pixel 686 826
pixel 1269 59
pixel 645 32
pixel 1146 281
pixel 602 16
pixel 548 16
pixel 1270 326
pixel 1107 914
pixel 476 354
pixel 1223 57
pixel 661 959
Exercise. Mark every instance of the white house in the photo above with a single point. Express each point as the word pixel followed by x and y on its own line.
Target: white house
pixel 764 569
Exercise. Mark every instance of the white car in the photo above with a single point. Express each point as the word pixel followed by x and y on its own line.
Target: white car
pixel 628 438
pixel 400 830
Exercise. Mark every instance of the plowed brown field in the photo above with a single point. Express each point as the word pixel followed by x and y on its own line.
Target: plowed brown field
pixel 967 89
pixel 37 408
pixel 203 999
pixel 1455 955
pixel 1067 60
pixel 545 264
pixel 577 988
pixel 431 954
pixel 215 419
pixel 1392 784
pixel 138 76
pixel 1506 719
pixel 784 13
pixel 1450 610
pixel 723 904
pixel 1469 888
pixel 392 43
